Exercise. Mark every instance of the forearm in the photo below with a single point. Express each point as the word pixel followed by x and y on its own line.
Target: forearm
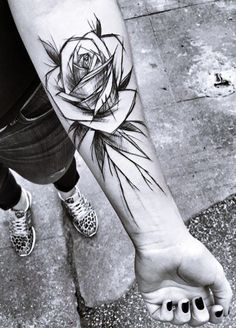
pixel 82 54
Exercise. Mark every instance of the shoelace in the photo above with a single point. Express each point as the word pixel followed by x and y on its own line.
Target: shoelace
pixel 80 207
pixel 19 226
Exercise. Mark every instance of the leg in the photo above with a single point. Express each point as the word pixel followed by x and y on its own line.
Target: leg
pixel 68 181
pixel 10 191
pixel 12 196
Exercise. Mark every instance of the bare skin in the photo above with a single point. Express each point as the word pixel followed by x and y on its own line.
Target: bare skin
pixel 82 54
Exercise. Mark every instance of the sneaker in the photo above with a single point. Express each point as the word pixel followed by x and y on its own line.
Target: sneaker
pixel 22 233
pixel 82 214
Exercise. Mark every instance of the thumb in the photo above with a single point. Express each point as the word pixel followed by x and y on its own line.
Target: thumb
pixel 222 291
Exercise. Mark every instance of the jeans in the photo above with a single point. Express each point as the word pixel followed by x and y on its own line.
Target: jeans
pixel 37 147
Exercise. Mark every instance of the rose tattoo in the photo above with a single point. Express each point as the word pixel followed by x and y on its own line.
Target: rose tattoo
pixel 89 85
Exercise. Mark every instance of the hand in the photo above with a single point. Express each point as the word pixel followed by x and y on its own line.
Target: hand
pixel 183 283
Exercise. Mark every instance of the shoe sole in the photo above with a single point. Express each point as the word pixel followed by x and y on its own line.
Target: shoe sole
pixel 33 231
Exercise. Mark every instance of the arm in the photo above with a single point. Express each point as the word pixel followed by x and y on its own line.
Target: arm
pixel 82 54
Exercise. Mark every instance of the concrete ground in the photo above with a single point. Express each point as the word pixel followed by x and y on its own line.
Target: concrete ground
pixel 184 54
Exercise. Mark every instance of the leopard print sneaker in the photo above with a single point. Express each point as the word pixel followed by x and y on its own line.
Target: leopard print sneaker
pixel 82 214
pixel 22 233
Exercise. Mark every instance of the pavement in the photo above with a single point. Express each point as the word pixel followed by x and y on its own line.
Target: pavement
pixel 184 56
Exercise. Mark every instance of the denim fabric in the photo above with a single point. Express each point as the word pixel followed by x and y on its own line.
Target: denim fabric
pixel 36 145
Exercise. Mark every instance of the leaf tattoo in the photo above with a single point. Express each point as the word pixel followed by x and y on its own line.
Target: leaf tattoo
pixel 89 85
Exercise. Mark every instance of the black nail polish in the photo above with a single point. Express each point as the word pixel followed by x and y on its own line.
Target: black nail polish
pixel 169 306
pixel 199 303
pixel 218 314
pixel 185 307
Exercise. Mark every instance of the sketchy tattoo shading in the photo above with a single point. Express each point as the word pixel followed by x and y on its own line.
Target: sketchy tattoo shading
pixel 89 85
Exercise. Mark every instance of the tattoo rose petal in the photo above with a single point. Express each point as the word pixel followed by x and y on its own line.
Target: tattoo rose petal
pixel 87 85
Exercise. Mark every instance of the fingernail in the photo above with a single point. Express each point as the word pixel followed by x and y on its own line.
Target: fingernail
pixel 169 306
pixel 185 307
pixel 199 303
pixel 218 314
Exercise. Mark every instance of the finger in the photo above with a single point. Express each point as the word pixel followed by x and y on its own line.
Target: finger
pixel 216 314
pixel 222 291
pixel 153 309
pixel 163 312
pixel 182 313
pixel 200 314
pixel 167 313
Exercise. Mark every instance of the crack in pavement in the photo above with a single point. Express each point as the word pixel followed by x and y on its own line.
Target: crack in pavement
pixel 80 303
pixel 167 10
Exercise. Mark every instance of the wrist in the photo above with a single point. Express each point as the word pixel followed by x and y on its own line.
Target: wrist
pixel 160 238
pixel 160 228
